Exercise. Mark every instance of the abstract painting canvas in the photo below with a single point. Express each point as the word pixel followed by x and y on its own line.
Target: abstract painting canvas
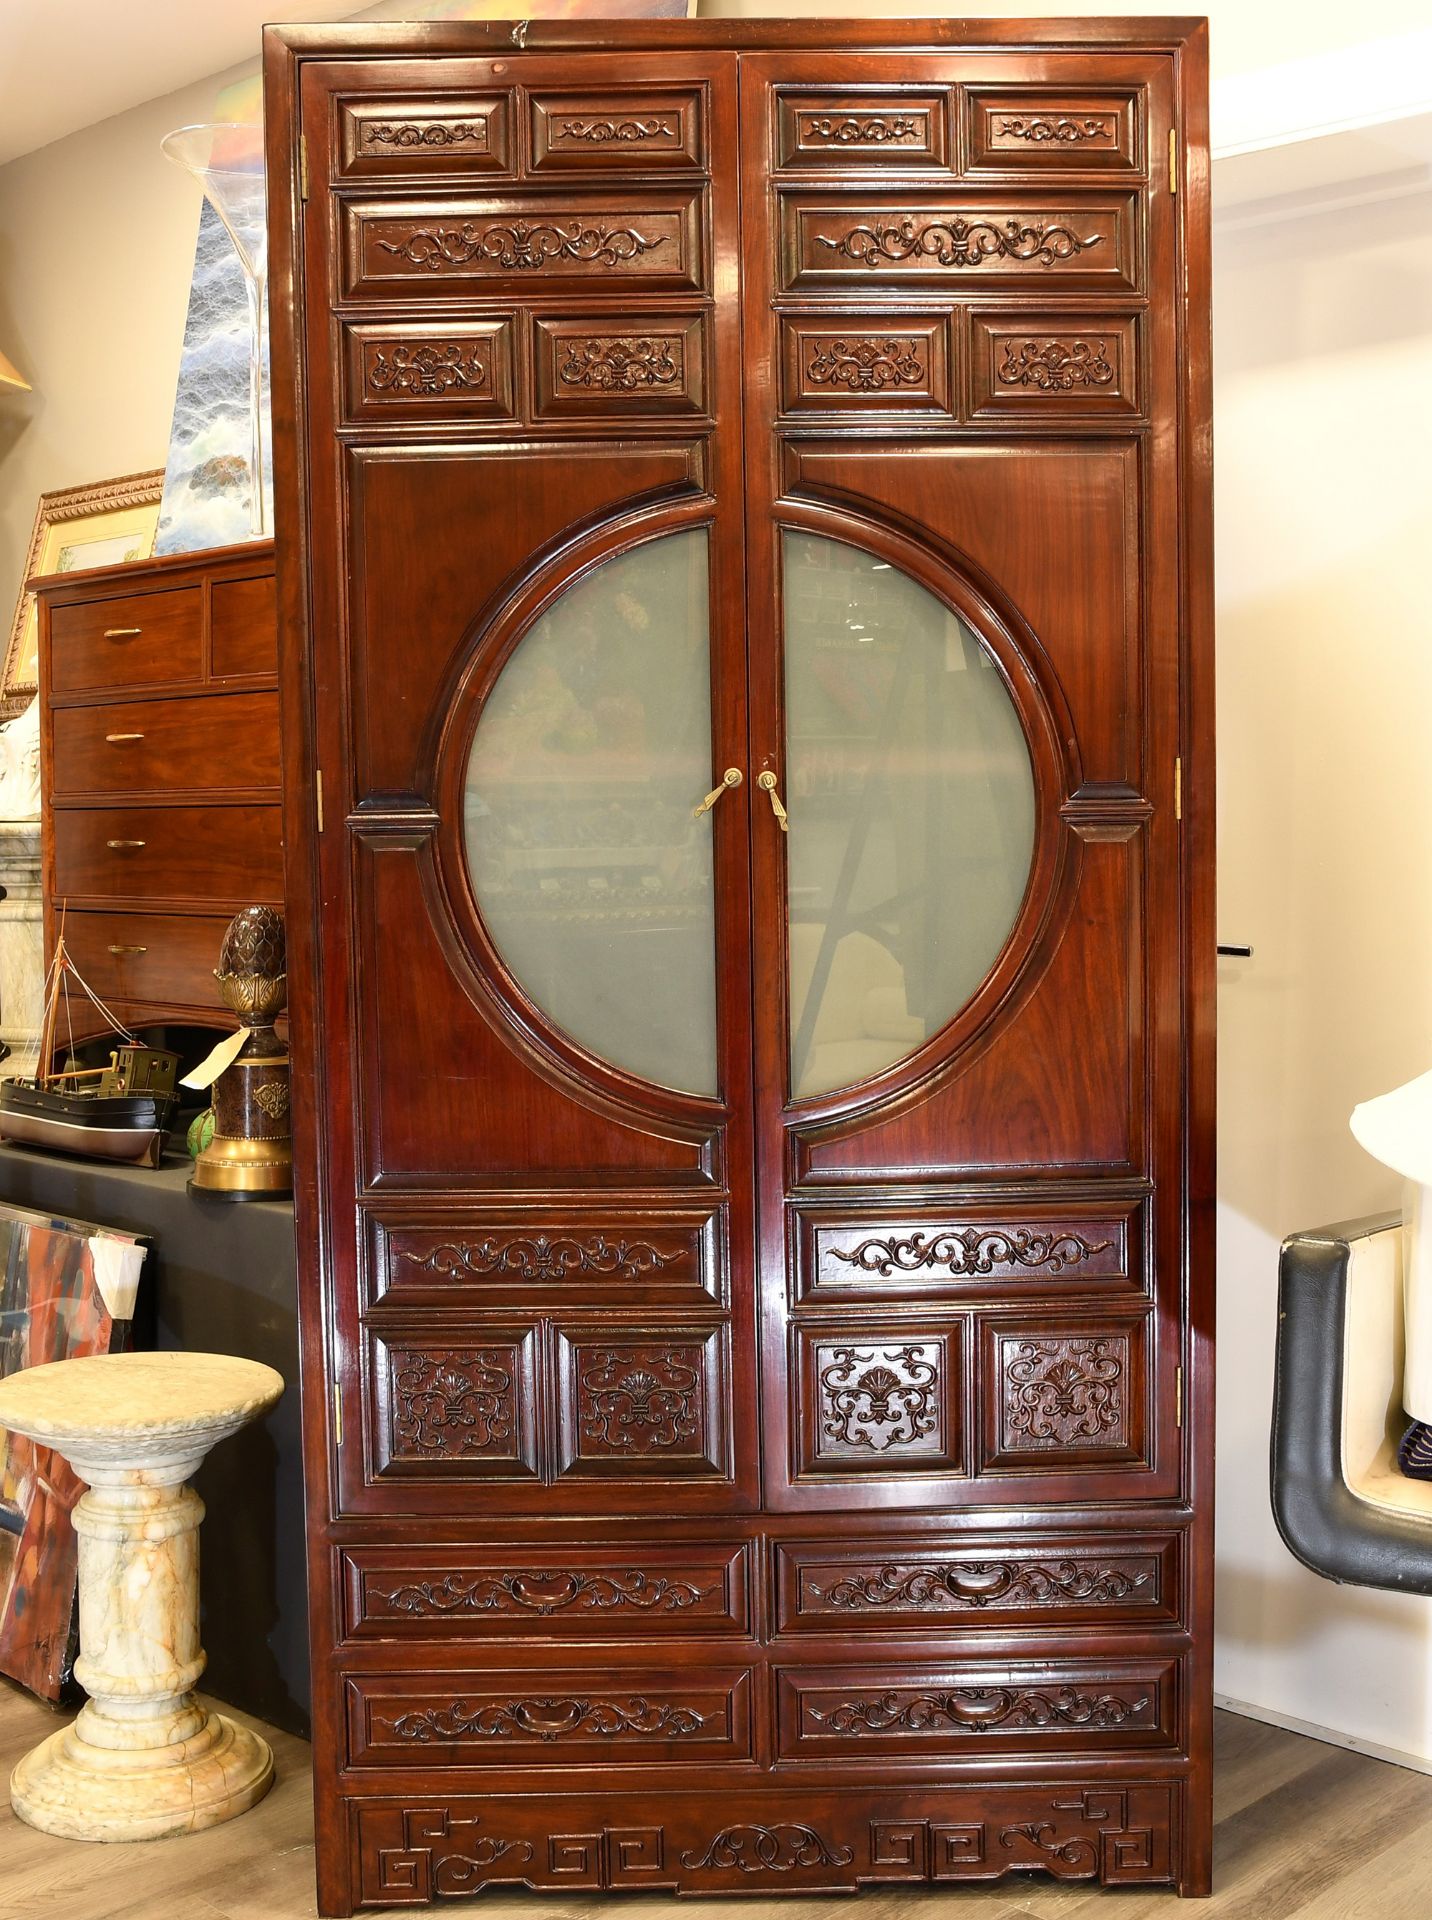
pixel 206 477
pixel 66 1289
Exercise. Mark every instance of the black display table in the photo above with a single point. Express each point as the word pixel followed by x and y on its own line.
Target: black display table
pixel 220 1278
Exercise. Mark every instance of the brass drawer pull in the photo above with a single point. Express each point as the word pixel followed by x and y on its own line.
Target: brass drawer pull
pixel 121 633
pixel 115 738
pixel 115 949
pixel 119 845
pixel 767 783
pixel 730 778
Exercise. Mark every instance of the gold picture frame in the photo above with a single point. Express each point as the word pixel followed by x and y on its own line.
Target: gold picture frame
pixel 93 526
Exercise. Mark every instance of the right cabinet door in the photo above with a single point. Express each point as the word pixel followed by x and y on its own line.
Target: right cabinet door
pixel 962 446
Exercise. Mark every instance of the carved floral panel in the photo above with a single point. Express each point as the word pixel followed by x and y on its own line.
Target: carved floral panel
pixel 1066 1393
pixel 933 1255
pixel 593 367
pixel 464 369
pixel 404 135
pixel 865 365
pixel 489 1719
pixel 1021 129
pixel 1054 364
pixel 864 129
pixel 645 128
pixel 880 1402
pixel 642 1406
pixel 935 243
pixel 463 1408
pixel 507 1258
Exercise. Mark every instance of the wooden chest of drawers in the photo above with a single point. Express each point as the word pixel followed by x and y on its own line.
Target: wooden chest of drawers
pixel 160 758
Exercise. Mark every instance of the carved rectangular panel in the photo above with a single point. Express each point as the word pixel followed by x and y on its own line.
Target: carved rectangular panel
pixel 403 134
pixel 1050 365
pixel 461 369
pixel 867 365
pixel 627 131
pixel 643 1404
pixel 642 364
pixel 882 1400
pixel 544 1593
pixel 869 1586
pixel 993 1253
pixel 1064 1395
pixel 597 1718
pixel 862 128
pixel 914 240
pixel 508 1257
pixel 1063 1706
pixel 427 247
pixel 463 1408
pixel 420 1848
pixel 1036 128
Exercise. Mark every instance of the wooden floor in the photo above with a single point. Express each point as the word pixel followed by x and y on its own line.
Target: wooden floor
pixel 1305 1832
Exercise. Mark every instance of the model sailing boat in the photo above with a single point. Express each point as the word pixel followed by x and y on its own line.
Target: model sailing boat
pixel 119 1112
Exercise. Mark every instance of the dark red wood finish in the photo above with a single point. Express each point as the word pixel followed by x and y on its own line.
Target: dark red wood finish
pixel 159 747
pixel 938 290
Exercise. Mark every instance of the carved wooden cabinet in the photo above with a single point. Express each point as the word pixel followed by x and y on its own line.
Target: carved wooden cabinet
pixel 747 688
pixel 159 751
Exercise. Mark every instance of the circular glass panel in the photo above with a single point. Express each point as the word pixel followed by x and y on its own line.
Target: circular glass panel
pixel 911 801
pixel 591 875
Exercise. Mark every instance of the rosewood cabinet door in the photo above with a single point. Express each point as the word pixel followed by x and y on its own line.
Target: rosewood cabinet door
pixel 535 662
pixel 965 720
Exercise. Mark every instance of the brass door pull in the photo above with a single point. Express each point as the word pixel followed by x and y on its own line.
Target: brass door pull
pixel 114 738
pixel 730 778
pixel 120 845
pixel 767 783
pixel 121 633
pixel 115 949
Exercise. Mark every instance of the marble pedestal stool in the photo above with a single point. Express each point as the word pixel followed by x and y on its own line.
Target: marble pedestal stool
pixel 144 1758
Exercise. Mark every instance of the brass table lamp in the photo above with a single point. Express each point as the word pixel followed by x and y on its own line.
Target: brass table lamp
pixel 251 1154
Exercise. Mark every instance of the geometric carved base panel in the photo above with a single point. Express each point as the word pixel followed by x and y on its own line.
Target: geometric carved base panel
pixel 430 1848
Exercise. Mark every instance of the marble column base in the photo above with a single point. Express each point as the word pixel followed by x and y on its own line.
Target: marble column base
pixel 83 1792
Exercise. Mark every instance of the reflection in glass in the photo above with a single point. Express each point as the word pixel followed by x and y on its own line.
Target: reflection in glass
pixel 593 879
pixel 911 799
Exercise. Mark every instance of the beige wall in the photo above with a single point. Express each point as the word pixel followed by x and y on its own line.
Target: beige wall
pixel 97 239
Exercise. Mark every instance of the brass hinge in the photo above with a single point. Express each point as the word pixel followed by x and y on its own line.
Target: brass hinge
pixel 1172 161
pixel 1178 1396
pixel 318 793
pixel 303 166
pixel 337 1415
pixel 1178 789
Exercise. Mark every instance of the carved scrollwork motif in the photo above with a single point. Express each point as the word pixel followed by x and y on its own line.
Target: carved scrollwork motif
pixel 541 1256
pixel 994 1583
pixel 546 1594
pixel 519 245
pixel 1055 366
pixel 425 133
pixel 622 364
pixel 970 1250
pixel 439 368
pixel 599 132
pixel 879 1397
pixel 442 1857
pixel 549 1719
pixel 776 1849
pixel 977 1709
pixel 452 1404
pixel 1059 1392
pixel 867 129
pixel 867 366
pixel 1065 129
pixel 637 1400
pixel 959 243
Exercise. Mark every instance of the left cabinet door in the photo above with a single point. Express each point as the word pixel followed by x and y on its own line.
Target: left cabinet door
pixel 527 680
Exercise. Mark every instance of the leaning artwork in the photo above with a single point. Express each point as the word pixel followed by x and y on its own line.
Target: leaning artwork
pixel 66 1289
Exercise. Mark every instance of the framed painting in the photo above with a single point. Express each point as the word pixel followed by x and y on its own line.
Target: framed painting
pixel 66 1290
pixel 93 526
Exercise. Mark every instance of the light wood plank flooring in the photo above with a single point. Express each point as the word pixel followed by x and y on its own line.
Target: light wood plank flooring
pixel 1305 1832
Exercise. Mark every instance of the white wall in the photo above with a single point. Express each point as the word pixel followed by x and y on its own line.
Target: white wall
pixel 1323 413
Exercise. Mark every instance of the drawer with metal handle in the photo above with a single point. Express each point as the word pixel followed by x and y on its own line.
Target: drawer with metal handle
pixel 223 853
